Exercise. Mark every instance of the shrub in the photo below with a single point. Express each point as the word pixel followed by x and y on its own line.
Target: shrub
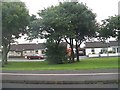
pixel 56 54
pixel 93 52
pixel 111 52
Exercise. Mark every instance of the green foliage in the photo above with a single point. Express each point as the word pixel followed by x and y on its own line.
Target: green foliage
pixel 111 51
pixel 80 20
pixel 15 18
pixel 34 31
pixel 69 20
pixel 110 28
pixel 63 20
pixel 56 54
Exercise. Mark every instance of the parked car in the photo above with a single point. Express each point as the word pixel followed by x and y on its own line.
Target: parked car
pixel 34 56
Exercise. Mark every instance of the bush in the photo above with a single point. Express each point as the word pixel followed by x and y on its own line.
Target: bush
pixel 93 52
pixel 111 52
pixel 56 54
pixel 100 52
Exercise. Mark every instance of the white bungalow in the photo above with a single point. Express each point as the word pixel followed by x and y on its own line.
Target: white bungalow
pixel 97 49
pixel 22 50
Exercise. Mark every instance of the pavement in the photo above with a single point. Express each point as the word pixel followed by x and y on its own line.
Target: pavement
pixel 105 76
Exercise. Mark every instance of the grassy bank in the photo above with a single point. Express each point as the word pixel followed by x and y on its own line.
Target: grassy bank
pixel 91 63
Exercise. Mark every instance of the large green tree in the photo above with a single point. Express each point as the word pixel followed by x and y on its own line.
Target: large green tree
pixel 110 28
pixel 69 20
pixel 15 18
pixel 81 23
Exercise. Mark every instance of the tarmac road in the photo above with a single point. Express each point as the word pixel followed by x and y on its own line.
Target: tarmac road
pixel 16 85
pixel 60 75
pixel 104 78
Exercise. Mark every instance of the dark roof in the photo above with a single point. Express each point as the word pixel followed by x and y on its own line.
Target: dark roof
pixel 22 47
pixel 113 43
pixel 96 45
pixel 101 44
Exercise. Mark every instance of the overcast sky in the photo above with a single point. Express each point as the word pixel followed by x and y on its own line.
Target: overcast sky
pixel 103 8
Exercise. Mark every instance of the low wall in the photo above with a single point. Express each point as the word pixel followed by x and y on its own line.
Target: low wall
pixel 104 55
pixel 93 55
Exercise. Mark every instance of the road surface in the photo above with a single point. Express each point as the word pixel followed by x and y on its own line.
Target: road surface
pixel 40 79
pixel 61 77
pixel 67 76
pixel 16 85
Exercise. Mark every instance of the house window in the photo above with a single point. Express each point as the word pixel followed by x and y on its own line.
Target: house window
pixel 104 50
pixel 36 51
pixel 93 50
pixel 43 51
pixel 114 50
pixel 118 50
pixel 25 52
pixel 18 53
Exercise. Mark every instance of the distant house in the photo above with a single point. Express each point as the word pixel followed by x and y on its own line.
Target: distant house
pixel 22 50
pixel 97 49
pixel 114 46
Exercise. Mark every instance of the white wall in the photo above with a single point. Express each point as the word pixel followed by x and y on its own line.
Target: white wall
pixel 32 52
pixel 88 50
pixel 97 50
pixel 110 49
pixel 28 52
pixel 115 47
pixel 13 53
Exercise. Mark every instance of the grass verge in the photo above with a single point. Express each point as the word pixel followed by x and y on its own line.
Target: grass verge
pixel 91 63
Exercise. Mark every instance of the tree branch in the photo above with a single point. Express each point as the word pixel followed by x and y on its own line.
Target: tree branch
pixel 67 40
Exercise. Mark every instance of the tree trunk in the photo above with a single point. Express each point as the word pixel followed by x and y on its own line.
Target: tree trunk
pixel 3 62
pixel 72 54
pixel 72 51
pixel 77 51
pixel 71 57
pixel 4 56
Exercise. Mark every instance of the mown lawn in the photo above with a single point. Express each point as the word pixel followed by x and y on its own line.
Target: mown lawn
pixel 91 63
